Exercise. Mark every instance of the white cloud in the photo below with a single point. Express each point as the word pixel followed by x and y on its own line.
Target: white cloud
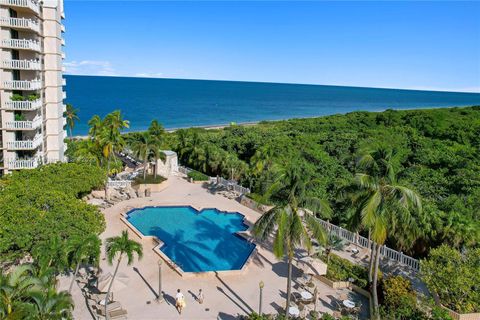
pixel 149 75
pixel 90 67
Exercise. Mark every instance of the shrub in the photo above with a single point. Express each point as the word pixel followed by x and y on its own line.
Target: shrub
pixel 339 269
pixel 395 288
pixel 17 97
pixel 198 176
pixel 454 277
pixel 40 204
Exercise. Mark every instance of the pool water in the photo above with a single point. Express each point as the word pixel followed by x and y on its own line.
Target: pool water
pixel 196 241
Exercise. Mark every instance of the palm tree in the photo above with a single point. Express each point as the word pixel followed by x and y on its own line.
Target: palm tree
pixel 292 228
pixel 157 133
pixel 95 124
pixel 14 286
pixel 51 255
pixel 383 203
pixel 142 147
pixel 71 114
pixel 110 138
pixel 51 305
pixel 82 249
pixel 121 246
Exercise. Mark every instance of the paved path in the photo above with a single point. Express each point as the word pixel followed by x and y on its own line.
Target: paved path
pixel 226 296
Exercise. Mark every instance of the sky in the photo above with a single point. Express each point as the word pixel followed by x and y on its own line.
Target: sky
pixel 412 45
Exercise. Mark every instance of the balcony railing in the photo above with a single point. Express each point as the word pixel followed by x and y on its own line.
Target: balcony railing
pixel 22 64
pixel 14 164
pixel 22 105
pixel 24 125
pixel 32 5
pixel 63 42
pixel 62 28
pixel 20 23
pixel 25 144
pixel 22 84
pixel 63 55
pixel 21 44
pixel 64 82
pixel 64 95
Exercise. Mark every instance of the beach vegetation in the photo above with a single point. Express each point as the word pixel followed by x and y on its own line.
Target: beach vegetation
pixel 454 277
pixel 71 115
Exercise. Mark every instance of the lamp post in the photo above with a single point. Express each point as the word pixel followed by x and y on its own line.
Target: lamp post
pixel 260 285
pixel 160 295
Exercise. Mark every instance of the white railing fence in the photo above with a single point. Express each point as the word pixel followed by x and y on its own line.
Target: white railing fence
pixel 229 184
pixel 119 183
pixel 366 243
pixel 21 44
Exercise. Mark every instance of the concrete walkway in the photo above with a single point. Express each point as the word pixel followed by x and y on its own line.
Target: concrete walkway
pixel 226 296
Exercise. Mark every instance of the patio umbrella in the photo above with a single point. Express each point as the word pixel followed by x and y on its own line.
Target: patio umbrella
pixel 121 282
pixel 313 266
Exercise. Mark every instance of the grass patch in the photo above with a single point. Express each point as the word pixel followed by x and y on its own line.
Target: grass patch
pixel 198 176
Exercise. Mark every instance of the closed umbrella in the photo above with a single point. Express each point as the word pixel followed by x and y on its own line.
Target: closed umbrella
pixel 120 282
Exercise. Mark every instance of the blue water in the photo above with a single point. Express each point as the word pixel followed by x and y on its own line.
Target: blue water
pixel 196 241
pixel 186 103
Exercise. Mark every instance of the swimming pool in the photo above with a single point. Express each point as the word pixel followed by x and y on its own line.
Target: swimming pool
pixel 196 241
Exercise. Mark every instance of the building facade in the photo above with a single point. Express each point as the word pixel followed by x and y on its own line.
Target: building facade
pixel 32 123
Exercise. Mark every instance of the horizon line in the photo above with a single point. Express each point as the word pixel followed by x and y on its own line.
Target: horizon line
pixel 280 83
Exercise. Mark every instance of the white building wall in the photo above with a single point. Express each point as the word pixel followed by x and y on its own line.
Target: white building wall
pixel 52 132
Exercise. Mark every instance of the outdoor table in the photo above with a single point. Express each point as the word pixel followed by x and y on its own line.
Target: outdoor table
pixel 349 304
pixel 306 295
pixel 293 311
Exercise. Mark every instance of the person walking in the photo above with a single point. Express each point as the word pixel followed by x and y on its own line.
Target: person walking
pixel 200 296
pixel 180 303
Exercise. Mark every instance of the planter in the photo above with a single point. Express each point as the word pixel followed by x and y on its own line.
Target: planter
pixel 252 204
pixel 461 316
pixel 344 285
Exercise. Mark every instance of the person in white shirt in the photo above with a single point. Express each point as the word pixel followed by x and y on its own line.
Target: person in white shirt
pixel 180 301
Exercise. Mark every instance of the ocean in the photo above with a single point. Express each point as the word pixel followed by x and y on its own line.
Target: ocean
pixel 180 103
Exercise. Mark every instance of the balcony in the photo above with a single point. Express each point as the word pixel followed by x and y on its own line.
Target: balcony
pixel 26 144
pixel 63 55
pixel 22 65
pixel 22 84
pixel 63 42
pixel 62 28
pixel 20 23
pixel 15 164
pixel 22 105
pixel 64 95
pixel 22 44
pixel 24 125
pixel 64 82
pixel 29 4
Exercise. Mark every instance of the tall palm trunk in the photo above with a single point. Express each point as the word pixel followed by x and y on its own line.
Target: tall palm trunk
pixel 376 312
pixel 289 284
pixel 110 286
pixel 155 172
pixel 372 253
pixel 71 133
pixel 74 277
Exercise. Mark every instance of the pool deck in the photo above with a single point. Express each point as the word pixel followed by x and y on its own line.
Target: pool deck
pixel 226 294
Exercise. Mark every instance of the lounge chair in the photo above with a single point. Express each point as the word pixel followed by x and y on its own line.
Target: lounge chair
pixel 114 314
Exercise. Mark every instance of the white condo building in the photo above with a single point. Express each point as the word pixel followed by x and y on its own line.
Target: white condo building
pixel 32 125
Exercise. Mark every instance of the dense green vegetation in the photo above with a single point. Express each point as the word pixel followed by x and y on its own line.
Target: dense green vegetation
pixel 454 277
pixel 339 269
pixel 197 176
pixel 43 221
pixel 437 154
pixel 400 302
pixel 39 205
